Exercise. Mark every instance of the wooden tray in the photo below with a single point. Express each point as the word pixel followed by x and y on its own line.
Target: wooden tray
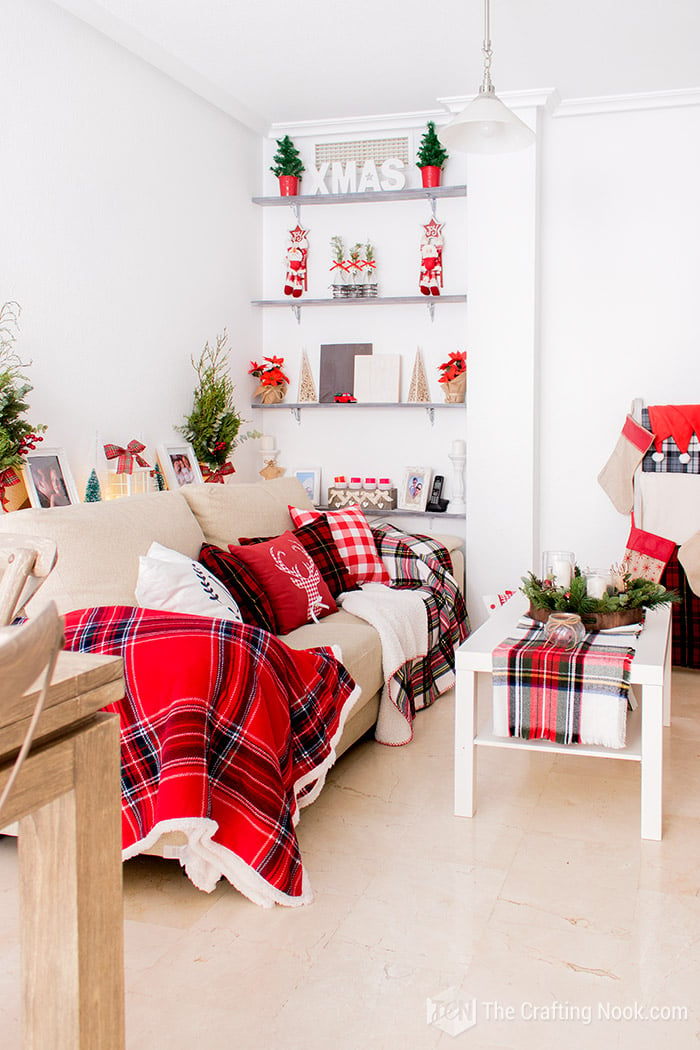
pixel 596 621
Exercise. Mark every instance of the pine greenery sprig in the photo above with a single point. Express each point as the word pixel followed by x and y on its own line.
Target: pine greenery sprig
pixel 635 594
pixel 17 436
pixel 213 425
pixel 431 152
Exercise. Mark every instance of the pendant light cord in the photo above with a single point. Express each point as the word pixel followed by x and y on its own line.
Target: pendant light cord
pixel 486 85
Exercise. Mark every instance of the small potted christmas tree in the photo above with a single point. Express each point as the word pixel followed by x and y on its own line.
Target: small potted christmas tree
pixel 431 156
pixel 288 167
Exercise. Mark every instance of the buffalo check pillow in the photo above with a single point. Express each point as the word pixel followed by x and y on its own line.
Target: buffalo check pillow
pixel 353 538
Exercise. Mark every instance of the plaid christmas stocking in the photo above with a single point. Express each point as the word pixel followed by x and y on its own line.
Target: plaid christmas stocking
pixel 616 476
pixel 647 555
pixel 689 557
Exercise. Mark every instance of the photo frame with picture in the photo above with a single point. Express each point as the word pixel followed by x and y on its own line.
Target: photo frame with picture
pixel 48 479
pixel 310 477
pixel 179 466
pixel 415 488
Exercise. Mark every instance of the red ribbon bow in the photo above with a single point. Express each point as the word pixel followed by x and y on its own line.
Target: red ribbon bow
pixel 8 477
pixel 216 477
pixel 126 456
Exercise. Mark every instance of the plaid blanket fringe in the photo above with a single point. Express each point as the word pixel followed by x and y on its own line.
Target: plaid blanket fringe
pixel 545 687
pixel 225 733
pixel 420 562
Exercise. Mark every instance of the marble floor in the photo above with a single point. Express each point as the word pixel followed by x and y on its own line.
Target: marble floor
pixel 545 918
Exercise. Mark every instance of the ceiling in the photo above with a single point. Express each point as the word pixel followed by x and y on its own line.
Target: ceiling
pixel 276 62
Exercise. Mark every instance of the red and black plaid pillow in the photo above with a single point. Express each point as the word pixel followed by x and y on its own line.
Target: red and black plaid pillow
pixel 243 585
pixel 318 540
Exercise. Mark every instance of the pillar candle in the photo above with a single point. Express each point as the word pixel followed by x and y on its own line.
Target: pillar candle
pixel 459 447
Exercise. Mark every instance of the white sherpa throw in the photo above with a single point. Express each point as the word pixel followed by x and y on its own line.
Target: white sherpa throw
pixel 401 621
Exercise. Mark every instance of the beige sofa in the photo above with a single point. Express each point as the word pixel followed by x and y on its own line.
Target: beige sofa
pixel 98 558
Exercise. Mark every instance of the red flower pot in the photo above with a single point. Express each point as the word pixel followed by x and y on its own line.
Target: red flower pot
pixel 430 175
pixel 289 185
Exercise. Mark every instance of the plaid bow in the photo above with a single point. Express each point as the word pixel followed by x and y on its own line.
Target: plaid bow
pixel 126 456
pixel 216 477
pixel 8 477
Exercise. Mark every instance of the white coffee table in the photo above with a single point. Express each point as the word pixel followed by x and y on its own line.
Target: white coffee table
pixel 650 674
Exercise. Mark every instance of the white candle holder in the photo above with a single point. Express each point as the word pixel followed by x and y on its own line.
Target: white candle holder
pixel 458 503
pixel 558 566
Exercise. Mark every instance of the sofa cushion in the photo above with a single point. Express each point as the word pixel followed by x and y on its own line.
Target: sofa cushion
pixel 99 545
pixel 242 584
pixel 226 512
pixel 173 582
pixel 291 579
pixel 358 644
pixel 317 538
pixel 354 539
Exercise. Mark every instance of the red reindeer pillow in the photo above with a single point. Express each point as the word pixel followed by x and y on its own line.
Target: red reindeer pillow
pixel 291 580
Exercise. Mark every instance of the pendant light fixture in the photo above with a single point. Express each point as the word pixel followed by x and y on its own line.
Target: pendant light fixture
pixel 486 125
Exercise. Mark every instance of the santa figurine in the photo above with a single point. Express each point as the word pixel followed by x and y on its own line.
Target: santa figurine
pixel 297 252
pixel 431 245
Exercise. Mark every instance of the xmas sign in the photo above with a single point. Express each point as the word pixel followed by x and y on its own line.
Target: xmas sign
pixel 345 178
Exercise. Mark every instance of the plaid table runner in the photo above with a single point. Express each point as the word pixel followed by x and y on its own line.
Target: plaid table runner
pixel 546 688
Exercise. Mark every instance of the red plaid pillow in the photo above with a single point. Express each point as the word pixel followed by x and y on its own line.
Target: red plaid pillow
pixel 242 584
pixel 353 537
pixel 316 536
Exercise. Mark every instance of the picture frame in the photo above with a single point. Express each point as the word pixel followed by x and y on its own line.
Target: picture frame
pixel 179 466
pixel 310 477
pixel 48 479
pixel 415 488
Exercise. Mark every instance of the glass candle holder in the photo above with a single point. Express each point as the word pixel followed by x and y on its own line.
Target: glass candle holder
pixel 564 630
pixel 558 566
pixel 597 582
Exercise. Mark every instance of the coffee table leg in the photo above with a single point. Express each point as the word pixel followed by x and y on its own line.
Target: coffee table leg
pixel 652 760
pixel 465 752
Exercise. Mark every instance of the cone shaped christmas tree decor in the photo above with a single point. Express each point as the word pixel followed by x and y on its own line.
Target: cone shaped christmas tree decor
pixel 307 387
pixel 418 390
pixel 93 493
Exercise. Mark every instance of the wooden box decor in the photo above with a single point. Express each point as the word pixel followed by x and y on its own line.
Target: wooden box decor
pixel 368 499
pixel 596 621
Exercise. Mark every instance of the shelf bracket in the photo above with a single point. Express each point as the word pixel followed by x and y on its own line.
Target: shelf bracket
pixel 431 308
pixel 296 209
pixel 433 206
pixel 296 310
pixel 296 413
pixel 431 415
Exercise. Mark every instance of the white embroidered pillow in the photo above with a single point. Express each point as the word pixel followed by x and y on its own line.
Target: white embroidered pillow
pixel 173 582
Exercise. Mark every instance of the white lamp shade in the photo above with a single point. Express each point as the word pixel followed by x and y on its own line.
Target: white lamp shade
pixel 486 125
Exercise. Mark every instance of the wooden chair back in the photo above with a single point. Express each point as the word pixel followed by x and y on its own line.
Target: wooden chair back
pixel 25 562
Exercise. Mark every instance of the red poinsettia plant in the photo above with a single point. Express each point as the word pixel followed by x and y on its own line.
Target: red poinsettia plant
pixel 454 366
pixel 269 373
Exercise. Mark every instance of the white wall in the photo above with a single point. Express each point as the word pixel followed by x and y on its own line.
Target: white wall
pixel 619 294
pixel 128 235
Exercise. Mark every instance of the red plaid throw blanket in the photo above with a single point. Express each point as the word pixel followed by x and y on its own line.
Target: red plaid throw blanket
pixel 225 733
pixel 419 562
pixel 568 696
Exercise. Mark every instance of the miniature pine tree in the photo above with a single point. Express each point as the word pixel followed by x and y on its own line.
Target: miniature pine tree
pixel 286 160
pixel 158 478
pixel 93 493
pixel 431 152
